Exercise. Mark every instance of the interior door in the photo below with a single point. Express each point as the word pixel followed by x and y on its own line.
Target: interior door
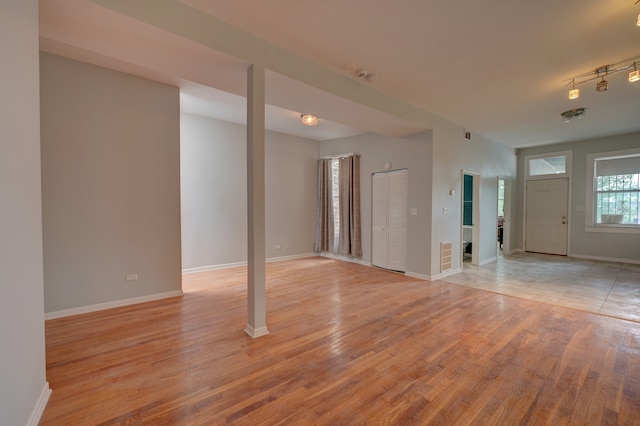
pixel 379 243
pixel 389 220
pixel 397 221
pixel 546 216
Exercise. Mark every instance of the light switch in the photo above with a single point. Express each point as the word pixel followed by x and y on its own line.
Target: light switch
pixel 414 211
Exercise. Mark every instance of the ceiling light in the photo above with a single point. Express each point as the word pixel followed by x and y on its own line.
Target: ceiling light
pixel 599 73
pixel 602 86
pixel 309 120
pixel 638 23
pixel 573 114
pixel 361 73
pixel 635 74
pixel 574 93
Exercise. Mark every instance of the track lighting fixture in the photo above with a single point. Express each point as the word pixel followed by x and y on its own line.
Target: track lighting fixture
pixel 635 74
pixel 574 93
pixel 602 86
pixel 600 73
pixel 309 120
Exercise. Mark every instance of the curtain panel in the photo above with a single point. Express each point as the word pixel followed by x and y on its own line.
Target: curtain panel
pixel 349 238
pixel 349 221
pixel 324 214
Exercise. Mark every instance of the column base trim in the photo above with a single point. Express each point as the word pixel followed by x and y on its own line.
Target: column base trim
pixel 254 333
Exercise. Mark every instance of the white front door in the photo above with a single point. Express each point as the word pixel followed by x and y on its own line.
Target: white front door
pixel 546 216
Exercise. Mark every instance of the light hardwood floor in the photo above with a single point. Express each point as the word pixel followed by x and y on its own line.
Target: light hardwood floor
pixel 349 345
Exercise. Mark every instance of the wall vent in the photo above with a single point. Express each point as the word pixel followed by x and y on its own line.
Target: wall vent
pixel 445 256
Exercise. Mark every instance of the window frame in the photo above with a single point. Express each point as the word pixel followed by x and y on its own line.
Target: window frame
pixel 591 190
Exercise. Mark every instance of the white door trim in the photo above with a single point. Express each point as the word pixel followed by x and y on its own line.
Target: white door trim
pixel 568 175
pixel 475 217
pixel 506 232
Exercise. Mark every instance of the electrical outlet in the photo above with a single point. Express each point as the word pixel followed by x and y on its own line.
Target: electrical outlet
pixel 132 277
pixel 444 210
pixel 277 247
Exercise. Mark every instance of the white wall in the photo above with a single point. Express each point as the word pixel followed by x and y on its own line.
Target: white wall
pixel 582 243
pixel 23 387
pixel 111 195
pixel 214 193
pixel 414 154
pixel 290 181
pixel 452 153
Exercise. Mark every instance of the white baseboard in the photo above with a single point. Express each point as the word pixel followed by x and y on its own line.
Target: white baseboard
pixel 112 304
pixel 407 273
pixel 295 256
pixel 244 263
pixel 345 259
pixel 212 267
pixel 36 414
pixel 418 276
pixel 444 274
pixel 487 261
pixel 605 259
pixel 256 332
pixel 515 250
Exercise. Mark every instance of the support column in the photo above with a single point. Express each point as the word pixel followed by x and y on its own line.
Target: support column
pixel 256 283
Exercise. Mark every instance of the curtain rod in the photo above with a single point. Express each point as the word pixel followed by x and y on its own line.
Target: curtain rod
pixel 348 154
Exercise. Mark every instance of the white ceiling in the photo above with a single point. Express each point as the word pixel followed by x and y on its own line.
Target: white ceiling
pixel 495 67
pixel 201 100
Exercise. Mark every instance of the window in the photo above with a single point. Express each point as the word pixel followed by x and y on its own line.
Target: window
pixel 613 199
pixel 548 165
pixel 501 197
pixel 467 201
pixel 338 219
pixel 335 196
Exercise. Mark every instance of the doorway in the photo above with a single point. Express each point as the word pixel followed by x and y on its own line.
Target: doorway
pixel 546 216
pixel 504 216
pixel 469 224
pixel 389 220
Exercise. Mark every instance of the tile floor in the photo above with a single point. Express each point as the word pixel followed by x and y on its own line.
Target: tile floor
pixel 605 288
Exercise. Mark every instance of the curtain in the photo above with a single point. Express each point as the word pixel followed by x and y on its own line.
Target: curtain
pixel 349 239
pixel 324 215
